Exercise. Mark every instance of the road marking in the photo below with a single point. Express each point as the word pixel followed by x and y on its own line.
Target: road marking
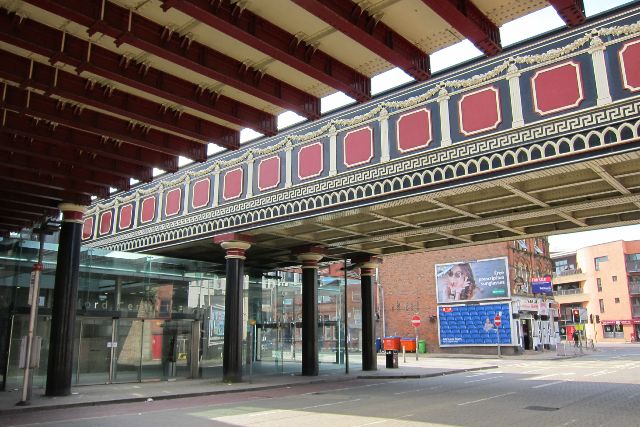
pixel 568 423
pixel 548 384
pixel 259 414
pixel 483 379
pixel 534 370
pixel 385 420
pixel 599 373
pixel 486 398
pixel 414 391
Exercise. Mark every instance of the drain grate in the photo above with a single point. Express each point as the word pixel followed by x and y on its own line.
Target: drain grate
pixel 541 408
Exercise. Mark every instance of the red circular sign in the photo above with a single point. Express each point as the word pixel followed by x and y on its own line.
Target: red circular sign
pixel 497 321
pixel 415 321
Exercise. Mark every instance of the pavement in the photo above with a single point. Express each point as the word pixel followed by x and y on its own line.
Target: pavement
pixel 428 365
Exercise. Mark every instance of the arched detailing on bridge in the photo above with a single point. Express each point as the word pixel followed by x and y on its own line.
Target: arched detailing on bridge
pixel 294 201
pixel 421 95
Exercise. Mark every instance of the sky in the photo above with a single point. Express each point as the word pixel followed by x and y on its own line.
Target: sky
pixel 523 28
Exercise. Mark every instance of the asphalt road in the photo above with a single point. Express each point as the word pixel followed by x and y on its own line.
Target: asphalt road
pixel 600 389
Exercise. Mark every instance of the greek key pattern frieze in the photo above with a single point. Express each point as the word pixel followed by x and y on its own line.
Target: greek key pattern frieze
pixel 418 173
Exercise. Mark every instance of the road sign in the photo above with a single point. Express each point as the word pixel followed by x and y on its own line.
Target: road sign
pixel 415 321
pixel 497 321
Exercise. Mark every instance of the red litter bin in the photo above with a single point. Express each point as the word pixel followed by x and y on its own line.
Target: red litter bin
pixel 409 344
pixel 391 343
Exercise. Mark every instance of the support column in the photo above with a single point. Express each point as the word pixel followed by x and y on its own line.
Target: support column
pixel 367 273
pixel 309 256
pixel 65 297
pixel 235 245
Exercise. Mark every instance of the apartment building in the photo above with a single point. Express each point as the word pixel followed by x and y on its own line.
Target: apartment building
pixel 603 283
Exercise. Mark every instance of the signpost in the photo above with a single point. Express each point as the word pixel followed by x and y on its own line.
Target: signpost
pixel 497 321
pixel 415 321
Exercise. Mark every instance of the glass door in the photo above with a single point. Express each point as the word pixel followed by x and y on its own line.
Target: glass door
pixel 95 342
pixel 127 351
pixel 153 362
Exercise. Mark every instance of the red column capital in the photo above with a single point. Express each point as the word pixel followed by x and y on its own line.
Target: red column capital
pixel 234 243
pixel 72 212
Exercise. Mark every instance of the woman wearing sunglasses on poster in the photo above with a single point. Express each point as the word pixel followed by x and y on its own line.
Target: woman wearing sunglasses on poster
pixel 460 284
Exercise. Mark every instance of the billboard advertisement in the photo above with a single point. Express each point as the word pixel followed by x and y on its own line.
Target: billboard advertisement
pixel 465 325
pixel 542 285
pixel 472 281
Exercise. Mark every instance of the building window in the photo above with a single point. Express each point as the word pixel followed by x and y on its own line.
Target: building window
pixel 538 247
pixel 522 245
pixel 599 260
pixel 599 282
pixel 601 305
pixel 614 278
pixel 617 300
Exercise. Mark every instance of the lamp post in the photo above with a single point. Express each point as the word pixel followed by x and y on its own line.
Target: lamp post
pixel 47 227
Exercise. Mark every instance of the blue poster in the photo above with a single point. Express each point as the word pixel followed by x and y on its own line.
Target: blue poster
pixel 542 285
pixel 473 324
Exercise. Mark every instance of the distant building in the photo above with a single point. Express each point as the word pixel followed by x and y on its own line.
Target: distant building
pixel 459 292
pixel 603 283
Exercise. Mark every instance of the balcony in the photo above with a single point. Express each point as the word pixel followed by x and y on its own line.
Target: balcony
pixel 568 296
pixel 569 276
pixel 633 266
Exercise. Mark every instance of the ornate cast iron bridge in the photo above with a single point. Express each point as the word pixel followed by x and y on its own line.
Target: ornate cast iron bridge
pixel 540 140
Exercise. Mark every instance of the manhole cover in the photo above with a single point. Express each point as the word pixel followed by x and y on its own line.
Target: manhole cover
pixel 541 408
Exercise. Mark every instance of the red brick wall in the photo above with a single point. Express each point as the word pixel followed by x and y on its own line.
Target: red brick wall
pixel 409 288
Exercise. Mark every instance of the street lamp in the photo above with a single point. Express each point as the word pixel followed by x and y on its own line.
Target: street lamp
pixel 48 226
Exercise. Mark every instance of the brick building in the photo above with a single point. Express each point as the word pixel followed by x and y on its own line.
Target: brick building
pixel 412 284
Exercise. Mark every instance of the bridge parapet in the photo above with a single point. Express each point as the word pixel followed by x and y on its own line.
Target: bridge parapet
pixel 567 95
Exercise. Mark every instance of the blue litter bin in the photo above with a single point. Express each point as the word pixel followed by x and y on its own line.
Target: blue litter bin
pixel 378 345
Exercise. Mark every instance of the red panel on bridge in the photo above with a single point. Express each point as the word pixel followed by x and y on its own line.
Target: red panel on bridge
pixel 201 193
pixel 630 64
pixel 358 147
pixel 87 228
pixel 148 210
pixel 269 173
pixel 479 111
pixel 233 184
pixel 414 130
pixel 557 88
pixel 310 161
pixel 173 202
pixel 105 222
pixel 126 215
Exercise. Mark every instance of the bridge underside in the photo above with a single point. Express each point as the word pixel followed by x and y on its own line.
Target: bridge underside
pixel 596 194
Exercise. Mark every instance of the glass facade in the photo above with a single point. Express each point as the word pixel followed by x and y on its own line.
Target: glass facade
pixel 144 317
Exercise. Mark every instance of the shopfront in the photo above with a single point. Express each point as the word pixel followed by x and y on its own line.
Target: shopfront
pixel 145 318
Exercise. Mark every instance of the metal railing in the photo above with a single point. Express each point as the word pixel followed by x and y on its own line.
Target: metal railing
pixel 633 266
pixel 567 272
pixel 568 292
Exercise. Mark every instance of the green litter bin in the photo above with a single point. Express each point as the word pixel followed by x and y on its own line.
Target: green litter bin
pixel 422 346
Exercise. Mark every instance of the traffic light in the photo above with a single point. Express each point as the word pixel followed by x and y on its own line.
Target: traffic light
pixel 575 314
pixel 591 318
pixel 597 318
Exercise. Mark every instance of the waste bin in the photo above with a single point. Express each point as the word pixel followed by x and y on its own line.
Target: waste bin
pixel 392 343
pixel 378 345
pixel 422 346
pixel 340 355
pixel 392 358
pixel 409 344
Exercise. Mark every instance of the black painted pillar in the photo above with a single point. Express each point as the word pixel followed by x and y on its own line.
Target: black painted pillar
pixel 65 296
pixel 309 259
pixel 232 348
pixel 369 356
